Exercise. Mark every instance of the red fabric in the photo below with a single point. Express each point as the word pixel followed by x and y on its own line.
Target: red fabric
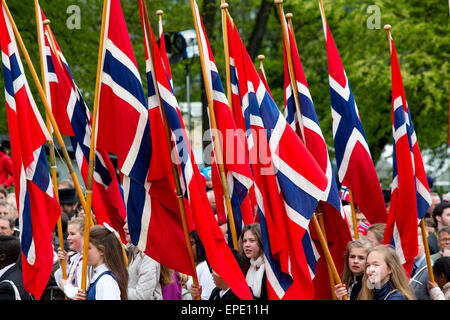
pixel 6 170
pixel 37 203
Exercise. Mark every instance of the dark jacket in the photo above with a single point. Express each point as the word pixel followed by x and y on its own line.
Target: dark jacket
pixel 387 293
pixel 419 282
pixel 433 243
pixel 356 287
pixel 13 274
pixel 228 296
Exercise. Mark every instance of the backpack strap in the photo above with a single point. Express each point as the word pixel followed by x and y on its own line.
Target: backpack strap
pixel 390 292
pixel 16 292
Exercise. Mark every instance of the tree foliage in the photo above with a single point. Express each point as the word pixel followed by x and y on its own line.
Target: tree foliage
pixel 420 31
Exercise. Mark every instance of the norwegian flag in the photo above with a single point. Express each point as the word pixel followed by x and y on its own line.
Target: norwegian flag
pixel 355 167
pixel 362 228
pixel 123 128
pixel 345 195
pixel 235 161
pixel 198 210
pixel 288 186
pixel 307 126
pixel 410 198
pixel 37 204
pixel 74 119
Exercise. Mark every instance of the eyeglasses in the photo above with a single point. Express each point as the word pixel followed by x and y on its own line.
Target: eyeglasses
pixel 444 240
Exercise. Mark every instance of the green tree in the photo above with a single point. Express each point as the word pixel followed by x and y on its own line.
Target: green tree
pixel 420 31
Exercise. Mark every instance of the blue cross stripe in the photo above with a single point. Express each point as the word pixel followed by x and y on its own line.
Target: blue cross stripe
pixel 138 191
pixel 284 279
pixel 79 121
pixel 399 120
pixel 11 74
pixel 349 121
pixel 299 200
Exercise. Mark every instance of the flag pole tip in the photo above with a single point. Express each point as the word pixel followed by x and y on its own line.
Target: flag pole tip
pixel 45 22
pixel 289 15
pixel 278 1
pixel 387 27
pixel 224 5
pixel 261 57
pixel 159 12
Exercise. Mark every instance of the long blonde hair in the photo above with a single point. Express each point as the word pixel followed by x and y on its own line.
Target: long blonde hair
pixel 165 275
pixel 398 278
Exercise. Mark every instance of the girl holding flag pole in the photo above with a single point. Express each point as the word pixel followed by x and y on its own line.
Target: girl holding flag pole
pixel 109 276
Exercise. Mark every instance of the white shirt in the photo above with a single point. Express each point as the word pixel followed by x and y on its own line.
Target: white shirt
pixel 205 280
pixel 74 273
pixel 2 271
pixel 107 287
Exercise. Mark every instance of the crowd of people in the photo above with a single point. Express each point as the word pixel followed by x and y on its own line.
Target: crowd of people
pixel 372 271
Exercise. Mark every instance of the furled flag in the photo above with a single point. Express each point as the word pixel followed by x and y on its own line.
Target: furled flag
pixel 37 203
pixel 123 128
pixel 288 184
pixel 262 75
pixel 162 49
pixel 303 119
pixel 410 197
pixel 74 120
pixel 198 210
pixel 235 161
pixel 355 166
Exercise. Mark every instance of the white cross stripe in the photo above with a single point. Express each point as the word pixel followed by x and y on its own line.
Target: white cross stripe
pixel 122 57
pixel 296 216
pixel 271 277
pixel 351 143
pixel 343 92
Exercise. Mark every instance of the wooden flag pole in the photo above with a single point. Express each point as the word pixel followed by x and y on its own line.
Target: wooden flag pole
pixel 326 251
pixel 352 203
pixel 316 225
pixel 176 175
pixel 330 273
pixel 354 222
pixel 53 45
pixel 46 105
pixel 387 27
pixel 261 58
pixel 92 152
pixel 279 3
pixel 224 7
pixel 217 148
pixel 226 17
pixel 427 250
pixel 62 262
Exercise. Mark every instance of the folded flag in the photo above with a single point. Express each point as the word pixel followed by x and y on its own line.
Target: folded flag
pixel 36 200
pixel 410 198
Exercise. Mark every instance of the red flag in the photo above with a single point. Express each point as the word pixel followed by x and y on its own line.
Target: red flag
pixel 131 127
pixel 270 143
pixel 235 160
pixel 197 206
pixel 410 197
pixel 37 204
pixel 303 119
pixel 355 166
pixel 74 119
